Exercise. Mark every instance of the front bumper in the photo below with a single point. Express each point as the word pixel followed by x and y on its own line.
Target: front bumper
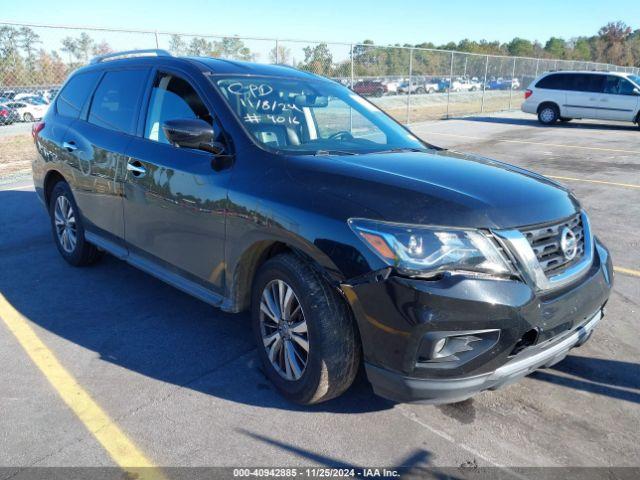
pixel 398 388
pixel 397 316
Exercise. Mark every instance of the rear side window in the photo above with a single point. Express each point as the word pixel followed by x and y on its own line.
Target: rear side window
pixel 71 99
pixel 585 82
pixel 557 81
pixel 115 103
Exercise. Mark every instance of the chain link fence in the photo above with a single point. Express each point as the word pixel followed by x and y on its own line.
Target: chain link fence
pixel 411 84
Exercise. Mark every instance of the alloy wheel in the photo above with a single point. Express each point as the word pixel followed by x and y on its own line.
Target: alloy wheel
pixel 65 223
pixel 284 330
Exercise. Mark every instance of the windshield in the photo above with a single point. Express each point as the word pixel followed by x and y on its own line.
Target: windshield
pixel 311 117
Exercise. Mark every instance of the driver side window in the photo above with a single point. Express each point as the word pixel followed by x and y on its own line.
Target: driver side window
pixel 172 98
pixel 618 86
pixel 337 116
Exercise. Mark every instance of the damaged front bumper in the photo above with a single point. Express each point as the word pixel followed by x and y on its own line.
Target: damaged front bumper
pixel 503 328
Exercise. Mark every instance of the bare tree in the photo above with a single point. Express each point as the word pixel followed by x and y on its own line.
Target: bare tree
pixel 28 39
pixel 280 54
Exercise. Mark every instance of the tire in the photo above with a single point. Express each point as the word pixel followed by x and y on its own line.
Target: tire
pixel 419 90
pixel 431 90
pixel 64 215
pixel 378 93
pixel 27 117
pixel 330 363
pixel 548 114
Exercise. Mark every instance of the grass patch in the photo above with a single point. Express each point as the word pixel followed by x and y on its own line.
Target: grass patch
pixel 16 154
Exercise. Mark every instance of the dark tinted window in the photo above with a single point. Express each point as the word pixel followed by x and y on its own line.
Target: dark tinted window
pixel 618 86
pixel 172 98
pixel 71 99
pixel 556 81
pixel 586 82
pixel 115 102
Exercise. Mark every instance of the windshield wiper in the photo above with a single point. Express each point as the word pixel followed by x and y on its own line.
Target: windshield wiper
pixel 334 152
pixel 400 149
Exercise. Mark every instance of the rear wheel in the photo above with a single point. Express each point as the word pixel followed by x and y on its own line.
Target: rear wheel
pixel 27 117
pixel 548 114
pixel 419 90
pixel 68 231
pixel 306 336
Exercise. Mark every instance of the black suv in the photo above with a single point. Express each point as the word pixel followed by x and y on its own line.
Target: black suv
pixel 350 240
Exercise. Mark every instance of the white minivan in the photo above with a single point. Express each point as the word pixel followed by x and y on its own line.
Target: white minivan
pixel 598 95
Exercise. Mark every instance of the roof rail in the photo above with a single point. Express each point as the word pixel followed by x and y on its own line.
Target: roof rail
pixel 130 53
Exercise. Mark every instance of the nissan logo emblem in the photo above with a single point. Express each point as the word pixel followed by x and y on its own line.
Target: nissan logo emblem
pixel 568 243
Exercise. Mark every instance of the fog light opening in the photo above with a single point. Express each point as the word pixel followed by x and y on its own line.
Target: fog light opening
pixel 528 339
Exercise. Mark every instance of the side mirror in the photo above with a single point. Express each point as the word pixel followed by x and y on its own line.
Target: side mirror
pixel 192 133
pixel 636 91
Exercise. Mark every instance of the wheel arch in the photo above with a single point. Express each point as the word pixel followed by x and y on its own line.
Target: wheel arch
pixel 549 103
pixel 50 180
pixel 240 281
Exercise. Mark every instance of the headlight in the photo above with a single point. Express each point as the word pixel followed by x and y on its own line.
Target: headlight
pixel 424 251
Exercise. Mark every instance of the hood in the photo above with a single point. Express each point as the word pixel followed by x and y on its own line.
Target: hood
pixel 438 187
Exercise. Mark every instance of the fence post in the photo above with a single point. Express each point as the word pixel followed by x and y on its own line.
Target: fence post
pixel 276 55
pixel 484 84
pixel 450 84
pixel 157 42
pixel 352 69
pixel 409 87
pixel 537 67
pixel 513 74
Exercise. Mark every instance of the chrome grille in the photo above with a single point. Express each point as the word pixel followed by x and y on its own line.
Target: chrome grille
pixel 545 242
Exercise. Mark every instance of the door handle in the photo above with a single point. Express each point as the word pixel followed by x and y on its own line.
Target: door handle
pixel 136 168
pixel 69 146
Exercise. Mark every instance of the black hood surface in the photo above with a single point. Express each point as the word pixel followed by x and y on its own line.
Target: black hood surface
pixel 438 187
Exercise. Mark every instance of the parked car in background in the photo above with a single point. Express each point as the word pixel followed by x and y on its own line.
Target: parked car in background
pixel 562 96
pixel 8 115
pixel 349 240
pixel 466 85
pixel 370 88
pixel 29 111
pixel 432 85
pixel 9 94
pixel 393 86
pixel 415 87
pixel 503 84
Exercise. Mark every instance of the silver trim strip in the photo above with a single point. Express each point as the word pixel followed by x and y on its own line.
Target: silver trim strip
pixel 540 358
pixel 519 246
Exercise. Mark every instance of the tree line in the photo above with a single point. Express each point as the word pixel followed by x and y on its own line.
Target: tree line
pixel 25 60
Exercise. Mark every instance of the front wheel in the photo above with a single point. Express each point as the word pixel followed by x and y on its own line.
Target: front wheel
pixel 306 336
pixel 68 231
pixel 548 114
pixel 27 117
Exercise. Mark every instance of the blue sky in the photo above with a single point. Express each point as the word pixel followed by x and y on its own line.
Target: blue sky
pixel 386 22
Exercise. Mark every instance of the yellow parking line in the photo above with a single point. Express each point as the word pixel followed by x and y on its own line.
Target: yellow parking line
pixel 627 271
pixel 122 450
pixel 544 144
pixel 627 185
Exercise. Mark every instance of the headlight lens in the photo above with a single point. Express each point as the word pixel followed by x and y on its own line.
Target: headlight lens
pixel 423 251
